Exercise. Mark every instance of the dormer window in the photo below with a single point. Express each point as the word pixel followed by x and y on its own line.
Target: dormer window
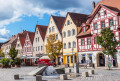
pixel 68 22
pixel 84 29
pixel 98 14
pixel 105 12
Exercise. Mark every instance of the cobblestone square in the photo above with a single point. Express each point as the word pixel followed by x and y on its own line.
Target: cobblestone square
pixel 100 75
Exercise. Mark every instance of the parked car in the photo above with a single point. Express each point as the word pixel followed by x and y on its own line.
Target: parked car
pixel 47 62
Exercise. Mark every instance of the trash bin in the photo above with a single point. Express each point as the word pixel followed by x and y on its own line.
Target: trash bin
pixel 93 66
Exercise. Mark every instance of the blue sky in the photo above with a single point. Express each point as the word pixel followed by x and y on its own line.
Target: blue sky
pixel 18 15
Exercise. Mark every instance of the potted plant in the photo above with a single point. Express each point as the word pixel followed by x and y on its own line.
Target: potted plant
pixel 5 62
pixel 18 62
pixel 12 63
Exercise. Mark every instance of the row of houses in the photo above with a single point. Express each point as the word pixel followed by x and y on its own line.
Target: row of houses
pixel 77 32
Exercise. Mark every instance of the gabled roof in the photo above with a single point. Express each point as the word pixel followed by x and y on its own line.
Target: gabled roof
pixel 111 3
pixel 42 29
pixel 31 36
pixel 78 18
pixel 87 32
pixel 59 21
pixel 112 9
pixel 22 37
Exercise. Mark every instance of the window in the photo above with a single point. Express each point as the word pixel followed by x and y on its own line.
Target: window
pixel 83 42
pixel 102 24
pixel 71 59
pixel 49 29
pixel 18 45
pixel 74 44
pixel 84 29
pixel 68 22
pixel 98 14
pixel 69 45
pixel 111 22
pixel 95 26
pixel 64 34
pixel 73 31
pixel 56 36
pixel 38 39
pixel 69 33
pixel 104 12
pixel 67 59
pixel 41 48
pixel 38 48
pixel 89 41
pixel 95 40
pixel 64 45
pixel 37 32
pixel 53 29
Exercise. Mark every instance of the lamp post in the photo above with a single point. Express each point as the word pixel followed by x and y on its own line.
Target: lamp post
pixel 72 55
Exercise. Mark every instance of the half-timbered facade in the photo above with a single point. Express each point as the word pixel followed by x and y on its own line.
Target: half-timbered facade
pixel 88 49
pixel 28 44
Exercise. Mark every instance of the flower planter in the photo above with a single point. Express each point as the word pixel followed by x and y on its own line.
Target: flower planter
pixel 6 66
pixel 17 65
pixel 12 65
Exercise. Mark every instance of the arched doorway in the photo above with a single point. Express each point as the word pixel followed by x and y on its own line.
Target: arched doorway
pixel 100 59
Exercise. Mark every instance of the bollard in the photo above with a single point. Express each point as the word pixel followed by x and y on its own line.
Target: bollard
pixel 16 76
pixel 38 78
pixel 63 76
pixel 91 71
pixel 85 74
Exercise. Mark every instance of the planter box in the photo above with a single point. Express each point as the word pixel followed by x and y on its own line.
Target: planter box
pixel 17 65
pixel 12 65
pixel 6 66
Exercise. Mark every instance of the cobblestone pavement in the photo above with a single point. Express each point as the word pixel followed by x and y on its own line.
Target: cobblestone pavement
pixel 100 75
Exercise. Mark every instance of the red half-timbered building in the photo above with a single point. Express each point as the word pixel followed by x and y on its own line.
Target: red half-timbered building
pixel 88 49
pixel 28 47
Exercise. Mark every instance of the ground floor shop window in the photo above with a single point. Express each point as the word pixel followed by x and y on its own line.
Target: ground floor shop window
pixel 71 59
pixel 67 59
pixel 83 59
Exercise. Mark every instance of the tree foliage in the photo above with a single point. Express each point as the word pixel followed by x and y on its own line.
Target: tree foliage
pixel 1 53
pixel 107 41
pixel 53 47
pixel 13 53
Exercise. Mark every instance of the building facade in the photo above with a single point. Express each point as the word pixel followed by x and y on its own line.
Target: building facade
pixel 88 49
pixel 20 42
pixel 54 27
pixel 38 43
pixel 69 33
pixel 28 44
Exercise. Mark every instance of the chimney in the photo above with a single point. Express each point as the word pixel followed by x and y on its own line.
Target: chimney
pixel 93 4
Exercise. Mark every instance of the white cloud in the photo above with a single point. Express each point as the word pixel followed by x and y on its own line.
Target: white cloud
pixel 12 10
pixel 4 34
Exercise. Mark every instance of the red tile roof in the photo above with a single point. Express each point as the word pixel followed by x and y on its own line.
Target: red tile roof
pixel 31 36
pixel 42 29
pixel 111 3
pixel 59 21
pixel 78 18
pixel 22 37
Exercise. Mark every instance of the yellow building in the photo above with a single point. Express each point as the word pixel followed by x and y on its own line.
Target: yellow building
pixel 69 32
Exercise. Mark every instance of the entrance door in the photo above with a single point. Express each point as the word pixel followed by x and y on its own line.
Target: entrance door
pixel 101 60
pixel 59 60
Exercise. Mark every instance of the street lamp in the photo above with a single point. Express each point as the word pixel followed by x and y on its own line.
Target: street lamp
pixel 72 55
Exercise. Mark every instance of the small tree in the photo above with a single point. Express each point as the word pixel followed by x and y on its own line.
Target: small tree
pixel 108 42
pixel 1 53
pixel 53 47
pixel 13 54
